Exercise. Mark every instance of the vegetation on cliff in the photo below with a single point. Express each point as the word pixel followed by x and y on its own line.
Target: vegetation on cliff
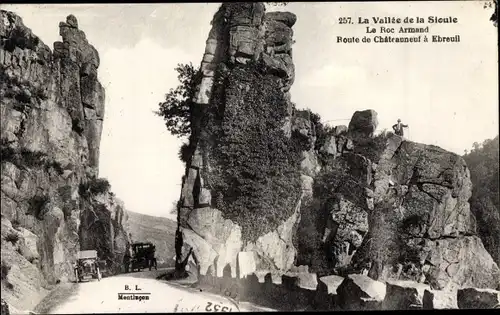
pixel 177 108
pixel 255 165
pixel 485 201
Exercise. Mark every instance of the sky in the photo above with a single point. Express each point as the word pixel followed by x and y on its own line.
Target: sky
pixel 447 93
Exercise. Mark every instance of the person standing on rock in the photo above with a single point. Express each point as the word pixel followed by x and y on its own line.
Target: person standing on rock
pixel 398 128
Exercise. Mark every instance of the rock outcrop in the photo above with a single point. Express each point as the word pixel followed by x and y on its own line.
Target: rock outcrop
pixel 472 298
pixel 52 107
pixel 378 205
pixel 247 62
pixel 400 211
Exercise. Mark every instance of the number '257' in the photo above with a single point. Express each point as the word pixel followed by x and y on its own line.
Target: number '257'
pixel 345 20
pixel 212 307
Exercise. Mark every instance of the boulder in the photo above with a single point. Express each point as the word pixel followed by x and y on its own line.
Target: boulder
pixel 326 292
pixel 299 269
pixel 247 14
pixel 403 295
pixel 330 146
pixel 203 251
pixel 329 284
pixel 28 246
pixel 473 298
pixel 286 18
pixel 282 65
pixel 310 165
pixel 340 130
pixel 458 262
pixel 246 264
pixel 359 292
pixel 363 124
pixel 437 299
pixel 302 127
pixel 308 280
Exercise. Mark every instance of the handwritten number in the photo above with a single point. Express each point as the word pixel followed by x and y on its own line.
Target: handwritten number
pixel 208 309
pixel 216 307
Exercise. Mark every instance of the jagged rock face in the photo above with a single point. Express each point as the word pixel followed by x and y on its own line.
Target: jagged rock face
pixel 242 34
pixel 363 124
pixel 394 209
pixel 52 107
pixel 422 219
pixel 105 216
pixel 389 203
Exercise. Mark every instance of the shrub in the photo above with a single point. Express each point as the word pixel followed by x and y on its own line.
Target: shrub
pixel 37 204
pixel 185 152
pixel 12 237
pixel 8 154
pixel 32 158
pixel 99 186
pixel 372 148
pixel 55 166
pixel 95 186
pixel 256 179
pixel 5 270
pixel 27 158
pixel 20 37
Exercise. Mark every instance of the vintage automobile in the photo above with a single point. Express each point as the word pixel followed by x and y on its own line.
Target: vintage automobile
pixel 143 256
pixel 87 266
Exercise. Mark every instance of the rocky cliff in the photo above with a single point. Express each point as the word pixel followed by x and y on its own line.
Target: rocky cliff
pixel 271 181
pixel 53 204
pixel 395 210
pixel 242 99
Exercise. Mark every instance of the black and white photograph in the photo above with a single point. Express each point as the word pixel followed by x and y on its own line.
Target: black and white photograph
pixel 249 156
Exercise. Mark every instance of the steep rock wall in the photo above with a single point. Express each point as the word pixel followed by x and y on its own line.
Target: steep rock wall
pixel 52 107
pixel 242 108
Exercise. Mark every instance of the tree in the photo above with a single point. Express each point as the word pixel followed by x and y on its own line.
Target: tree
pixel 482 161
pixel 177 108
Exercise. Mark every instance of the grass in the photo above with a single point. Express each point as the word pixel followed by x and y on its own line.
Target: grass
pixel 27 158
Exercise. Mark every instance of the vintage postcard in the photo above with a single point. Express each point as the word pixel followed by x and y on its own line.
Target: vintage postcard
pixel 249 157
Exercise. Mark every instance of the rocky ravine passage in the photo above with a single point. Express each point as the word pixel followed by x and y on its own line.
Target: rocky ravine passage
pixel 378 205
pixel 53 204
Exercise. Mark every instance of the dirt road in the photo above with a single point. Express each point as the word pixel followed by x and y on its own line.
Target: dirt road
pixel 139 292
